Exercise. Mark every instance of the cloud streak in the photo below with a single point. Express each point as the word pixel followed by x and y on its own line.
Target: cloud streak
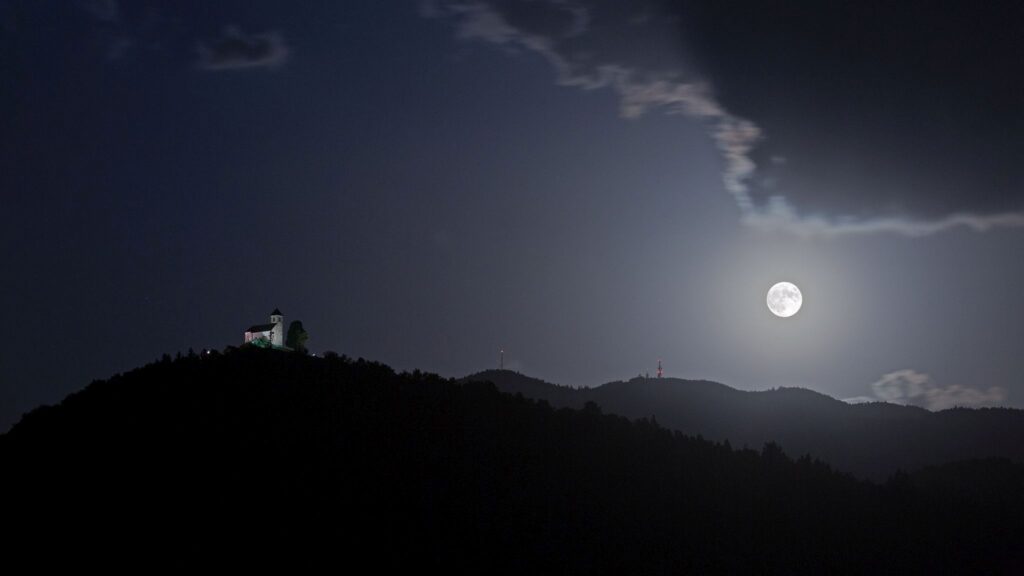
pixel 102 10
pixel 639 90
pixel 917 389
pixel 622 55
pixel 779 215
pixel 237 51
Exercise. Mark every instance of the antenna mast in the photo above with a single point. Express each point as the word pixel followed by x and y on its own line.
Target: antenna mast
pixel 659 368
pixel 501 360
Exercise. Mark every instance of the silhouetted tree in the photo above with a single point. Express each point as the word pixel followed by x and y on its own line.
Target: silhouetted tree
pixel 772 453
pixel 297 337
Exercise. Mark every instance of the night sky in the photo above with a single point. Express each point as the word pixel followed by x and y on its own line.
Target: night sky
pixel 591 186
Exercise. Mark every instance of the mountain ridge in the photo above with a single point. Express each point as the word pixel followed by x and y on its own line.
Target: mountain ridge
pixel 872 440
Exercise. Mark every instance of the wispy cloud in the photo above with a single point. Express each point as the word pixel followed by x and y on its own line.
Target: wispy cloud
pixel 237 51
pixel 916 388
pixel 102 10
pixel 639 90
pixel 779 215
pixel 860 400
pixel 588 58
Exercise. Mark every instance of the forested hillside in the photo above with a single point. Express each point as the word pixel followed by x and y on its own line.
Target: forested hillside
pixel 264 458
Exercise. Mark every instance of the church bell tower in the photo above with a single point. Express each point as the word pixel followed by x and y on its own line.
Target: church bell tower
pixel 277 334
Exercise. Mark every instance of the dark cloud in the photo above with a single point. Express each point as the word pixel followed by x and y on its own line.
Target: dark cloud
pixel 102 10
pixel 882 110
pixel 118 47
pixel 833 118
pixel 236 51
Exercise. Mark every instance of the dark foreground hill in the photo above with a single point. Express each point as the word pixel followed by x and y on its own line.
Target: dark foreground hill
pixel 276 460
pixel 869 440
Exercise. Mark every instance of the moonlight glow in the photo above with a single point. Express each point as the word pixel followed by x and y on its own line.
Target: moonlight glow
pixel 784 299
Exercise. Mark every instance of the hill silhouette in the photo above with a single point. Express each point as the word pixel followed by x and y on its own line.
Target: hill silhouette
pixel 266 459
pixel 871 440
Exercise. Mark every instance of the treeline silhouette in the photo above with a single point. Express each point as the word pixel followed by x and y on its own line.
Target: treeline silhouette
pixel 269 459
pixel 869 440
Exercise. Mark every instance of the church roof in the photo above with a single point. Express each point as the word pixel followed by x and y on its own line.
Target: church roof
pixel 261 328
pixel 276 312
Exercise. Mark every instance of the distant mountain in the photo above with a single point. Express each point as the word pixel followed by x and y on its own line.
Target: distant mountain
pixel 870 440
pixel 266 460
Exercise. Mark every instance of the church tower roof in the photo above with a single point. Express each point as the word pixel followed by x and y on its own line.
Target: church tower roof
pixel 276 312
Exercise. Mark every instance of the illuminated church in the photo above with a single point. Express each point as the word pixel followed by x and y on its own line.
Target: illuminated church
pixel 268 335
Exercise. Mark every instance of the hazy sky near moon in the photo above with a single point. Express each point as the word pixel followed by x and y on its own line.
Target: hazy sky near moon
pixel 426 183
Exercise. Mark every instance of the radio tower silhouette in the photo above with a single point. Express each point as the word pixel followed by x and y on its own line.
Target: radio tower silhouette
pixel 501 360
pixel 659 368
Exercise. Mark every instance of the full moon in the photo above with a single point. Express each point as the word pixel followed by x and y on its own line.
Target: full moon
pixel 785 299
